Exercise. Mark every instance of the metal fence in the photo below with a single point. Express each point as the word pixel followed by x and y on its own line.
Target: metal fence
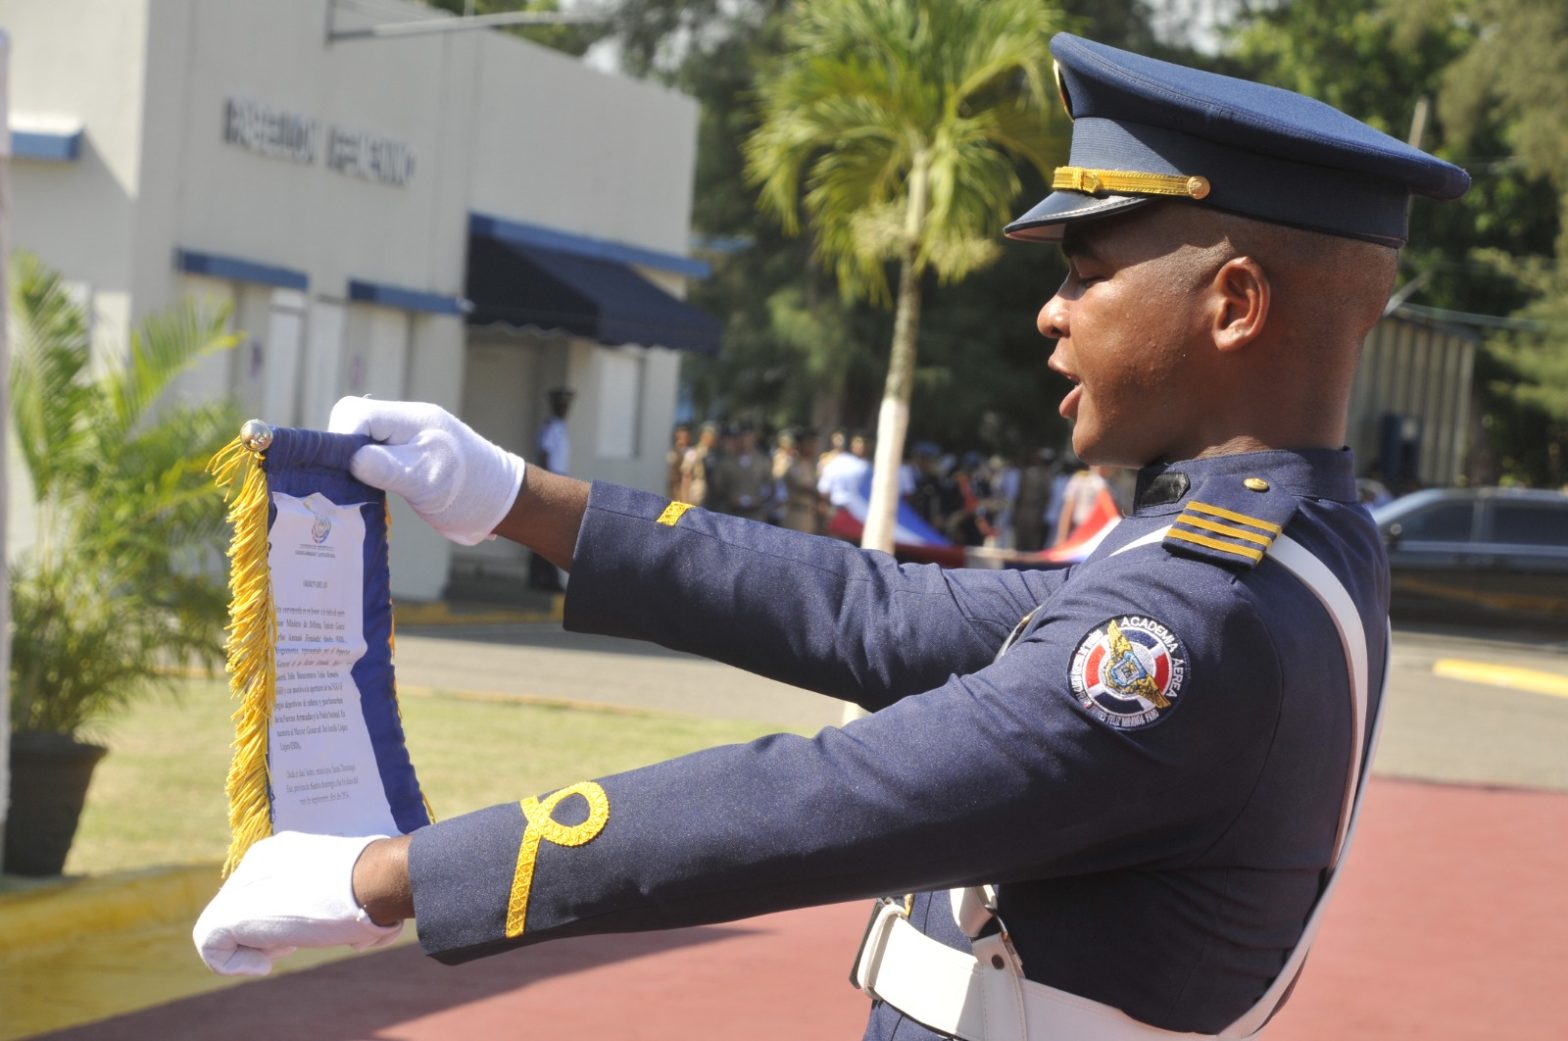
pixel 1410 406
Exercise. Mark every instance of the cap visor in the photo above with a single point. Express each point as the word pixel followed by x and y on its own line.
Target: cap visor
pixel 1044 223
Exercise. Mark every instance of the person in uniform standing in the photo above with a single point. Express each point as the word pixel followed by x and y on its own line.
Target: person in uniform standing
pixel 554 443
pixel 553 452
pixel 741 483
pixel 694 468
pixel 802 502
pixel 1034 500
pixel 840 477
pixel 675 461
pixel 1146 766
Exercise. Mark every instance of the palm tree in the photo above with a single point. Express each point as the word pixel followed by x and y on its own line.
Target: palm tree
pixel 121 581
pixel 904 119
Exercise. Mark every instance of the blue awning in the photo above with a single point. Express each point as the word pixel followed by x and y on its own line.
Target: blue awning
pixel 526 285
pixel 402 298
pixel 239 269
pixel 49 146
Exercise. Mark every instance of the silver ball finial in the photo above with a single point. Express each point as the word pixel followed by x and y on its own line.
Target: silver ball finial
pixel 256 435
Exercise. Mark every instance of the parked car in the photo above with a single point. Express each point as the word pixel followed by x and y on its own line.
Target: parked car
pixel 1478 554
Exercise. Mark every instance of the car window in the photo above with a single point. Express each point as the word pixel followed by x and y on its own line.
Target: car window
pixel 1529 524
pixel 1441 522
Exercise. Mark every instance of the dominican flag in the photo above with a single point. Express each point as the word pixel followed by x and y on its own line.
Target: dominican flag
pixel 913 539
pixel 1086 537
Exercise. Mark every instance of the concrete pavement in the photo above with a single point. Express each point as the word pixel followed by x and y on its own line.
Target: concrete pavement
pixel 540 661
pixel 1452 883
pixel 1446 929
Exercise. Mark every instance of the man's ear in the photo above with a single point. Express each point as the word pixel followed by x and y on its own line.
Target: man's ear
pixel 1241 294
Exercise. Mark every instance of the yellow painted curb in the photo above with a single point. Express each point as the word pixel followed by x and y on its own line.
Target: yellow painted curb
pixel 85 950
pixel 1532 681
pixel 48 916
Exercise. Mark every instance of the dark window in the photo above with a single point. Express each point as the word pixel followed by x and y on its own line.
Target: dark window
pixel 1444 522
pixel 1529 524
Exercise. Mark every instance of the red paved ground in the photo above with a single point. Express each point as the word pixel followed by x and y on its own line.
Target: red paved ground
pixel 1449 927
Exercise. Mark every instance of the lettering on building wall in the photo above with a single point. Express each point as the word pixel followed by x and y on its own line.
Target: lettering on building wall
pixel 281 134
pixel 372 158
pixel 270 131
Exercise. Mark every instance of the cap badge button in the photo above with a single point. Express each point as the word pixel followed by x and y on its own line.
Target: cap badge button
pixel 1255 484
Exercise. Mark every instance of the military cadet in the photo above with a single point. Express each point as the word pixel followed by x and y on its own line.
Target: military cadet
pixel 1149 778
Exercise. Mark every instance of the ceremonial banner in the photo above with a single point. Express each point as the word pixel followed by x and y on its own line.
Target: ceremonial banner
pixel 318 744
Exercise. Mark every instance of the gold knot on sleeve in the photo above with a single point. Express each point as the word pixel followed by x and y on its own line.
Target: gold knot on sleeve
pixel 542 827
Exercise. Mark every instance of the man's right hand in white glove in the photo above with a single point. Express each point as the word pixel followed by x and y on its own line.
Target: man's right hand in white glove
pixel 291 890
pixel 461 484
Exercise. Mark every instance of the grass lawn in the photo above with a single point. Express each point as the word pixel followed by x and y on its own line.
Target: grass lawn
pixel 157 798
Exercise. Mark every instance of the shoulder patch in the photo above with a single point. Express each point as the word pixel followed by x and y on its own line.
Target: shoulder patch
pixel 1129 671
pixel 1230 537
pixel 1231 521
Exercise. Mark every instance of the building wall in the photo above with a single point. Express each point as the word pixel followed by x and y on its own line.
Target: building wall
pixel 80 217
pixel 605 157
pixel 492 124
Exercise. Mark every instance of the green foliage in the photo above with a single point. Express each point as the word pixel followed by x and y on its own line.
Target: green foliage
pixel 897 126
pixel 1374 61
pixel 1492 70
pixel 1513 73
pixel 982 382
pixel 794 351
pixel 1508 90
pixel 118 583
pixel 875 99
pixel 1525 375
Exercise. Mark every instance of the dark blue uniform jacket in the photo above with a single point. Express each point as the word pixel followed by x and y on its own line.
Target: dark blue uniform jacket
pixel 1152 772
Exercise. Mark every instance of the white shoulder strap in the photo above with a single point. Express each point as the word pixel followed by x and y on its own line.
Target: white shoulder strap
pixel 1352 637
pixel 963 996
pixel 1336 600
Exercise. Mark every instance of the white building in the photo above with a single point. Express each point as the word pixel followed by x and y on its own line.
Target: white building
pixel 462 218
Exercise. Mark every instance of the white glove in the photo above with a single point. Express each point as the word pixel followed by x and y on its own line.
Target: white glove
pixel 291 890
pixel 461 484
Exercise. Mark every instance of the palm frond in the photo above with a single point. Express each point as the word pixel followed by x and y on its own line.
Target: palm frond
pixel 166 345
pixel 51 349
pixel 870 89
pixel 122 580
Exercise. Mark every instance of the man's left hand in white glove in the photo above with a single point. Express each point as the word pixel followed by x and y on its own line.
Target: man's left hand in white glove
pixel 295 890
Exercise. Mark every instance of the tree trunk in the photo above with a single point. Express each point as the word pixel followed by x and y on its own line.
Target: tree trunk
pixel 893 418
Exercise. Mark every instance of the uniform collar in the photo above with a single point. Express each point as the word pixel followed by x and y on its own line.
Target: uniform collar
pixel 1316 473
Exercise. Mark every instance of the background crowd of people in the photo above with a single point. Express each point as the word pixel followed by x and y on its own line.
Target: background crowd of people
pixel 1030 502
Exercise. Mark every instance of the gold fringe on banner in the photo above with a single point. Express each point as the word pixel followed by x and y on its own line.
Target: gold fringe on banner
pixel 253 639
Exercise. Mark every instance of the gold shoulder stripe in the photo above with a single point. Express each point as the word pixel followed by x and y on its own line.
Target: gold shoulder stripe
pixel 1253 555
pixel 1231 515
pixel 542 826
pixel 1224 529
pixel 673 512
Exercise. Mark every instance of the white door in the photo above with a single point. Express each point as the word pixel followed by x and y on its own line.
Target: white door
pixel 498 394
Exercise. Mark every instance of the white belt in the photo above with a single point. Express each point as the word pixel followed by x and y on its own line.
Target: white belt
pixel 981 996
pixel 984 996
